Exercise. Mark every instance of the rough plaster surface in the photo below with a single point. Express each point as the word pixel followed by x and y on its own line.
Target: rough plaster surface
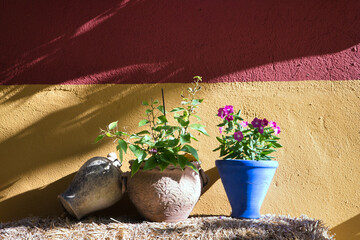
pixel 47 133
pixel 77 42
pixel 264 50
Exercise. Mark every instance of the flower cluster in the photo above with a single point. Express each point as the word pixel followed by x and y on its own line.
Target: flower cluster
pixel 261 123
pixel 244 140
pixel 226 112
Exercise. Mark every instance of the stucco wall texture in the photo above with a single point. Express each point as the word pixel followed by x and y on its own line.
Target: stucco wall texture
pixel 68 68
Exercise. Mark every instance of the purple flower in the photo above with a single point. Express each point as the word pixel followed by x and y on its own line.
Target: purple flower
pixel 264 122
pixel 221 112
pixel 229 118
pixel 153 150
pixel 228 109
pixel 244 124
pixel 238 136
pixel 256 122
pixel 277 130
pixel 261 129
pixel 221 129
pixel 272 124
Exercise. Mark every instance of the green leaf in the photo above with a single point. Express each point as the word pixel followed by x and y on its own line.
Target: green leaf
pixel 163 165
pixel 143 132
pixel 98 138
pixel 196 101
pixel 135 167
pixel 184 138
pixel 182 122
pixel 161 108
pixel 178 109
pixel 192 137
pixel 198 117
pixel 198 78
pixel 220 140
pixel 184 103
pixel 192 166
pixel 276 145
pixel 169 157
pixel 123 145
pixel 121 155
pixel 150 163
pixel 119 133
pixel 162 119
pixel 145 139
pixel 216 149
pixel 267 152
pixel 191 150
pixel 145 103
pixel 138 152
pixel 182 161
pixel 172 142
pixel 134 136
pixel 112 125
pixel 199 127
pixel 155 101
pixel 148 111
pixel 143 122
pixel 108 134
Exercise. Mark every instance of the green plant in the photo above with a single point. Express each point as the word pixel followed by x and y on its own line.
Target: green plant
pixel 243 140
pixel 162 144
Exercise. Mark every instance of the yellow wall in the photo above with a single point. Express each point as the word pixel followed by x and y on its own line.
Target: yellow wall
pixel 47 133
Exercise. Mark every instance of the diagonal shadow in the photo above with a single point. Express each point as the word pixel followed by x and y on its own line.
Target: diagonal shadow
pixel 71 131
pixel 349 230
pixel 43 202
pixel 62 43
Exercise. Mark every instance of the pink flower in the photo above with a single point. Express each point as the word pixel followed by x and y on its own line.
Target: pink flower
pixel 221 112
pixel 261 129
pixel 228 109
pixel 272 124
pixel 244 124
pixel 221 129
pixel 277 130
pixel 256 122
pixel 264 122
pixel 238 136
pixel 229 118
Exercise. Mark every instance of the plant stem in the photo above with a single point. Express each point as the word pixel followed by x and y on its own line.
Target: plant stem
pixel 163 99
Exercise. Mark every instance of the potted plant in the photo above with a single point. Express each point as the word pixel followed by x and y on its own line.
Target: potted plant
pixel 165 183
pixel 246 169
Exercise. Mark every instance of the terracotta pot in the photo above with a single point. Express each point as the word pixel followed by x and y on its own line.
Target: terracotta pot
pixel 97 185
pixel 166 196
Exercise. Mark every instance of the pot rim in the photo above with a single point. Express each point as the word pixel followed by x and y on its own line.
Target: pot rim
pixel 170 167
pixel 247 163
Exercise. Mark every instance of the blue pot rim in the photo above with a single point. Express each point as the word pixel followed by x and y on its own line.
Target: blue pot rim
pixel 247 163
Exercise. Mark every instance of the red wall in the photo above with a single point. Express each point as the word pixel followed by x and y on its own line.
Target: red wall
pixel 81 42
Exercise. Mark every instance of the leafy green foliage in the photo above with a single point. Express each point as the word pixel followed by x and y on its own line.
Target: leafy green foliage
pixel 162 143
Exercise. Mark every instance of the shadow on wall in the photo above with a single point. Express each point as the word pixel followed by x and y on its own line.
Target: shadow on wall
pixel 43 202
pixel 213 175
pixel 145 41
pixel 71 130
pixel 349 230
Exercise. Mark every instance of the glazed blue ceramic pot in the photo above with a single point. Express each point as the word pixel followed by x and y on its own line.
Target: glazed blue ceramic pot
pixel 246 184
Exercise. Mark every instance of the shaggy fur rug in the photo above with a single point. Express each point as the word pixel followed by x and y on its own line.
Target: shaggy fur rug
pixel 202 227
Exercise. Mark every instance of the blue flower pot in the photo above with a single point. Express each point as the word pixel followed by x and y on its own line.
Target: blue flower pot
pixel 246 184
